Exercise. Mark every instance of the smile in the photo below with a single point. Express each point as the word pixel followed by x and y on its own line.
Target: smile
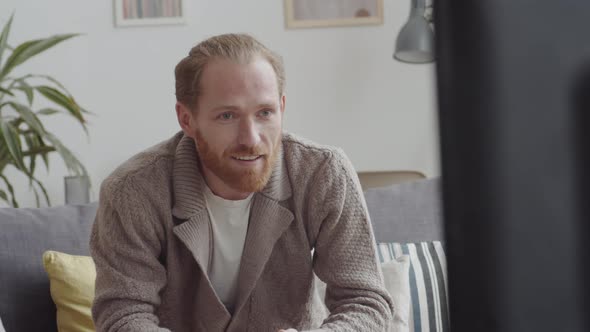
pixel 247 158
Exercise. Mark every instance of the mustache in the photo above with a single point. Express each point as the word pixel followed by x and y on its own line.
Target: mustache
pixel 243 150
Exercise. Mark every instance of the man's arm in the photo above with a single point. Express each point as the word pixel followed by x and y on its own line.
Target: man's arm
pixel 125 244
pixel 344 255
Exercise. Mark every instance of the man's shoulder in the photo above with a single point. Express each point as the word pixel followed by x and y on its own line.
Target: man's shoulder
pixel 296 145
pixel 305 157
pixel 145 169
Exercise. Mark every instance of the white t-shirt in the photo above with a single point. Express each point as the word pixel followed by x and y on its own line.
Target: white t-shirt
pixel 229 220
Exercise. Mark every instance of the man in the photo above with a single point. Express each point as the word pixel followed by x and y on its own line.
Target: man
pixel 214 229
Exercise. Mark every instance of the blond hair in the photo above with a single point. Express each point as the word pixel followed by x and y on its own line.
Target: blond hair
pixel 241 48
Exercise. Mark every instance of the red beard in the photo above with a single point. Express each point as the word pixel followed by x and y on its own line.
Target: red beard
pixel 240 179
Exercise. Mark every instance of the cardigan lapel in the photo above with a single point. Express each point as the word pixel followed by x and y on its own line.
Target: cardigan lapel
pixel 195 229
pixel 189 204
pixel 268 221
pixel 195 233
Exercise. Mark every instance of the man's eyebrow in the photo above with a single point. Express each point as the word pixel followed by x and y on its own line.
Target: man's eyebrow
pixel 266 105
pixel 226 108
pixel 230 107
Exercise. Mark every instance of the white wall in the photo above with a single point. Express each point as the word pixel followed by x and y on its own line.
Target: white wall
pixel 343 87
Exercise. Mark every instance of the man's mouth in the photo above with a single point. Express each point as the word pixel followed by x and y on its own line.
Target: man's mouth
pixel 247 158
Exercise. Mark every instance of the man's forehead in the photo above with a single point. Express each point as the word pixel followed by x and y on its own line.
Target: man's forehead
pixel 228 80
pixel 258 70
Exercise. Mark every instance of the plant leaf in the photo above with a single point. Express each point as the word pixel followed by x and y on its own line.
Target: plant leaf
pixel 36 197
pixel 86 111
pixel 47 111
pixel 12 140
pixel 28 116
pixel 72 163
pixel 10 188
pixel 62 87
pixel 4 196
pixel 36 143
pixel 52 80
pixel 4 155
pixel 45 160
pixel 6 91
pixel 43 190
pixel 32 143
pixel 28 49
pixel 59 85
pixel 27 89
pixel 64 101
pixel 27 92
pixel 4 36
pixel 43 155
pixel 32 163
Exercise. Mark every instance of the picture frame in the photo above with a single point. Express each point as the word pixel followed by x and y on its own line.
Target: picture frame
pixel 332 13
pixel 129 13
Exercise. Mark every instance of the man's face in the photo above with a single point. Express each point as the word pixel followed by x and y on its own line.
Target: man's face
pixel 237 124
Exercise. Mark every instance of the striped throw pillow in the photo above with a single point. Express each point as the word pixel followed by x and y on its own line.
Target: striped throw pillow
pixel 428 283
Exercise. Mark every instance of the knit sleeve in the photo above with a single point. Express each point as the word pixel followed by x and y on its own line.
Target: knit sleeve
pixel 344 256
pixel 126 244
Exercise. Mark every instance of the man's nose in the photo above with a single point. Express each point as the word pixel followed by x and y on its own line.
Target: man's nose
pixel 249 134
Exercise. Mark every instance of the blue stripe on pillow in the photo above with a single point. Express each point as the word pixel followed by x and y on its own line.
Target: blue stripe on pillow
pixel 413 292
pixel 428 283
pixel 429 289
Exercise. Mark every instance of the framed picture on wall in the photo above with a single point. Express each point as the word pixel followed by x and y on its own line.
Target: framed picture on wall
pixel 148 12
pixel 330 13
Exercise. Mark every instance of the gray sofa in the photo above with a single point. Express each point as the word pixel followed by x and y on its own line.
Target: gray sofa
pixel 407 212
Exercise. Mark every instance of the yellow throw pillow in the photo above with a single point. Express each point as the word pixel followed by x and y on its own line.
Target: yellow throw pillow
pixel 71 280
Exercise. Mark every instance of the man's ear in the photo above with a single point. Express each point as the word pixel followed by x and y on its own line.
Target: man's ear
pixel 283 100
pixel 185 118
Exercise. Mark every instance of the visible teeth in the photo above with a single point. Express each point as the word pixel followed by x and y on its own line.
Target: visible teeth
pixel 247 157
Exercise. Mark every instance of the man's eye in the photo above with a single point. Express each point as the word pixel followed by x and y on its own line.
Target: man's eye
pixel 265 113
pixel 226 116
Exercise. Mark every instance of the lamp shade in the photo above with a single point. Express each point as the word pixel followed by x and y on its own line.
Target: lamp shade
pixel 415 41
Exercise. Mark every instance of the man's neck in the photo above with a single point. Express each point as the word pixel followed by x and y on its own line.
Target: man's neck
pixel 220 188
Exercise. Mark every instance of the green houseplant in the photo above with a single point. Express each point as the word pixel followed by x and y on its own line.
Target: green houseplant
pixel 24 141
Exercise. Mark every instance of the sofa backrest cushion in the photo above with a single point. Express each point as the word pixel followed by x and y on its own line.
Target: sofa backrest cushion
pixel 407 212
pixel 25 301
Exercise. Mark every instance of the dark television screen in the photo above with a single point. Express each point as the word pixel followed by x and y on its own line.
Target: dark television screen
pixel 513 80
